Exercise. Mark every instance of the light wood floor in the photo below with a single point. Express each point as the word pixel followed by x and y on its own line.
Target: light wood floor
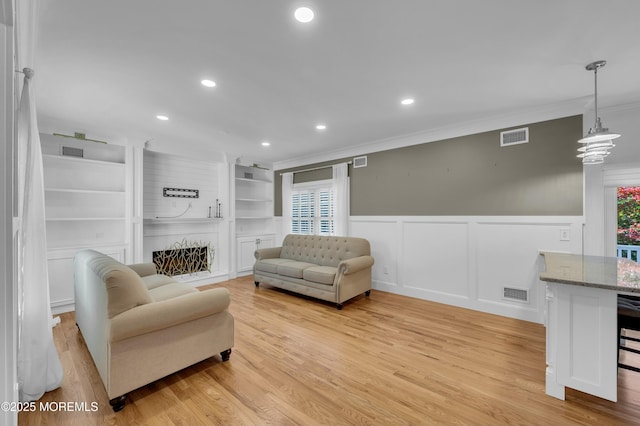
pixel 386 359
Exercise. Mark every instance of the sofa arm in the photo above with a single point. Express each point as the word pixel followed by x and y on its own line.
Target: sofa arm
pixel 144 269
pixel 355 264
pixel 167 313
pixel 268 253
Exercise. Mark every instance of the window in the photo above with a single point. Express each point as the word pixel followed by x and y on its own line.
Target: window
pixel 628 222
pixel 312 209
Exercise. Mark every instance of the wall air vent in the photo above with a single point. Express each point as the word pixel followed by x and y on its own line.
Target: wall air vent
pixel 72 152
pixel 514 137
pixel 515 294
pixel 360 161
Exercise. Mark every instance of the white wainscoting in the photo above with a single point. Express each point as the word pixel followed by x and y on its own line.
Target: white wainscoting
pixel 467 261
pixel 61 285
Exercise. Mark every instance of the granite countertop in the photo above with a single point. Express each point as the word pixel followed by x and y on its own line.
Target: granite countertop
pixel 592 271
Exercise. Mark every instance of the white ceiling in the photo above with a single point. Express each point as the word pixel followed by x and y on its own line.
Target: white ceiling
pixel 109 67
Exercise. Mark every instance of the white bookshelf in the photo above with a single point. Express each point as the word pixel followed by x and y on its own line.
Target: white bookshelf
pixel 253 200
pixel 253 213
pixel 86 206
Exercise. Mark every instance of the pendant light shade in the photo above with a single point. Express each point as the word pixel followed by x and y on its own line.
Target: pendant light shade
pixel 598 140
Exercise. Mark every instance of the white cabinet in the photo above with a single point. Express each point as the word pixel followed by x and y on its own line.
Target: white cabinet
pixel 247 247
pixel 253 213
pixel 86 206
pixel 581 340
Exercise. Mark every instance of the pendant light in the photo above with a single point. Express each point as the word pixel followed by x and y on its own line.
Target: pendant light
pixel 598 140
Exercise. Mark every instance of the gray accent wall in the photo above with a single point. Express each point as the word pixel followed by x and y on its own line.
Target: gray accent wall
pixel 469 175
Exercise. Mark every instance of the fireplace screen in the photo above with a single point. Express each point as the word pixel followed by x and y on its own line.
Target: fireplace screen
pixel 184 258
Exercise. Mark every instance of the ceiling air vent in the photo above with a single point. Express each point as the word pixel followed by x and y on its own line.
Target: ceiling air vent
pixel 360 161
pixel 515 294
pixel 72 152
pixel 514 137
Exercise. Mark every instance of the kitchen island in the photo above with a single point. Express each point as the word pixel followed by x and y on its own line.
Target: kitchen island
pixel 581 320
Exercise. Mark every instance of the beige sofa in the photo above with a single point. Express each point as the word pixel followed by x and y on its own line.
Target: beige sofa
pixel 140 326
pixel 334 269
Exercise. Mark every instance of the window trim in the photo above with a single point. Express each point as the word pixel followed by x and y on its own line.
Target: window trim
pixel 314 186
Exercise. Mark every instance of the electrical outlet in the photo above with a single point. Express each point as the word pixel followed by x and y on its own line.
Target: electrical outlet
pixel 385 270
pixel 565 235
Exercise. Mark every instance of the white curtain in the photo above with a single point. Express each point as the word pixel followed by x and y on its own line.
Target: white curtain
pixel 340 187
pixel 39 368
pixel 287 190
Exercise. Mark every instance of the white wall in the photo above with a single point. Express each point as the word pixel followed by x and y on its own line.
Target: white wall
pixel 8 311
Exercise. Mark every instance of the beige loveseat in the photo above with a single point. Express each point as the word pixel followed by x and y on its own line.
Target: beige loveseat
pixel 334 269
pixel 140 326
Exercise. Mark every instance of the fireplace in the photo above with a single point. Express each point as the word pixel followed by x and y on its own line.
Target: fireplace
pixel 185 257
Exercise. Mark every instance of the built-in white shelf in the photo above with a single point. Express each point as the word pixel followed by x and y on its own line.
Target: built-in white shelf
pixel 87 205
pixel 80 160
pixel 160 221
pixel 253 197
pixel 254 200
pixel 253 180
pixel 84 191
pixel 253 217
pixel 73 219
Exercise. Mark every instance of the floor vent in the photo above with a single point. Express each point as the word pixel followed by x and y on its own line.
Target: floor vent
pixel 72 152
pixel 514 137
pixel 516 294
pixel 360 161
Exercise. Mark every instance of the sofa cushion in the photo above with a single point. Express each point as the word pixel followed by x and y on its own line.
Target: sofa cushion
pixel 171 290
pixel 323 250
pixel 144 269
pixel 320 274
pixel 125 289
pixel 156 280
pixel 270 265
pixel 293 269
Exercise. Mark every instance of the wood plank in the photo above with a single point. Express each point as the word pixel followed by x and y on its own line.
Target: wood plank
pixel 384 359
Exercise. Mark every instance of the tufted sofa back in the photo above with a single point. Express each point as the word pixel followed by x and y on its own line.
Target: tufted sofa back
pixel 323 250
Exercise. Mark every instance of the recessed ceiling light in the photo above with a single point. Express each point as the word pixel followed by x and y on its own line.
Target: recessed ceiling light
pixel 208 83
pixel 321 127
pixel 266 143
pixel 162 117
pixel 304 14
pixel 407 101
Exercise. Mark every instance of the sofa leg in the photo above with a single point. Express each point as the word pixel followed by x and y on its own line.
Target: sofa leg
pixel 118 403
pixel 257 283
pixel 225 355
pixel 339 306
pixel 367 293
